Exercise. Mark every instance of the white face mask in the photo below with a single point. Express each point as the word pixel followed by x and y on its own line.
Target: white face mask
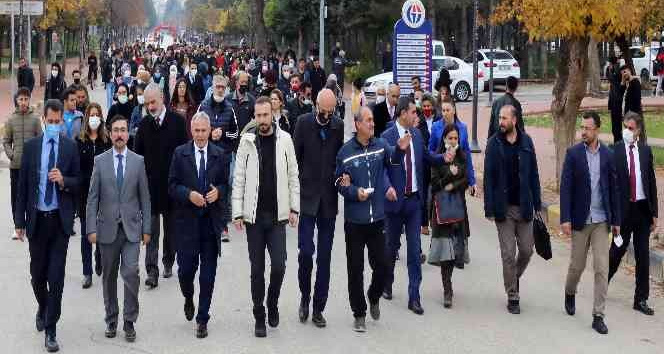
pixel 140 99
pixel 94 122
pixel 307 101
pixel 451 147
pixel 628 136
pixel 55 73
pixel 380 99
pixel 127 73
pixel 217 98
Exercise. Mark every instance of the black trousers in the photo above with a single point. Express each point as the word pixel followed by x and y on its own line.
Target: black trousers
pixel 261 235
pixel 357 237
pixel 48 254
pixel 13 180
pixel 636 226
pixel 616 122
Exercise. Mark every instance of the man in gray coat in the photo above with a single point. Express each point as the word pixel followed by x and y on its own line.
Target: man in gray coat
pixel 118 213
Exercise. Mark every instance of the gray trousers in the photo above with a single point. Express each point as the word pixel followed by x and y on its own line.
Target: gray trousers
pixel 595 235
pixel 120 254
pixel 514 233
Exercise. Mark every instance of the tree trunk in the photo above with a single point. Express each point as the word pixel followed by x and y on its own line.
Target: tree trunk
pixel 462 44
pixel 594 70
pixel 568 92
pixel 431 14
pixel 261 33
pixel 41 52
pixel 300 42
pixel 544 59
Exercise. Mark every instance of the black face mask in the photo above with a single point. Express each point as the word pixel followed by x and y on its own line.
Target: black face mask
pixel 244 89
pixel 77 81
pixel 322 119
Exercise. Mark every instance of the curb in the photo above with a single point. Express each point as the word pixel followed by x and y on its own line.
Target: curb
pixel 592 106
pixel 551 214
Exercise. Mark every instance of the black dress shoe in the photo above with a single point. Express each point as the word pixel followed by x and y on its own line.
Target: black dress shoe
pixel 273 317
pixel 111 330
pixel 416 307
pixel 51 343
pixel 189 309
pixel 387 294
pixel 168 272
pixel 513 307
pixel 374 311
pixel 151 282
pixel 303 312
pixel 423 258
pixel 599 326
pixel 318 320
pixel 39 321
pixel 570 304
pixel 642 306
pixel 87 282
pixel 201 330
pixel 130 332
pixel 259 330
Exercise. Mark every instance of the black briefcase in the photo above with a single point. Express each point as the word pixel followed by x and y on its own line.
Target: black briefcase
pixel 542 238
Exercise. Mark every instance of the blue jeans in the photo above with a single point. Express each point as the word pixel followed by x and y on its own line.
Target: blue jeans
pixel 409 217
pixel 305 244
pixel 110 91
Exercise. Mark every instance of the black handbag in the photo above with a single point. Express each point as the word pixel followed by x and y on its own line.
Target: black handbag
pixel 449 207
pixel 542 238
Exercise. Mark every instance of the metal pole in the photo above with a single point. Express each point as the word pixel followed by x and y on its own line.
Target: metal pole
pixel 474 145
pixel 13 85
pixel 321 40
pixel 21 34
pixel 28 48
pixel 491 34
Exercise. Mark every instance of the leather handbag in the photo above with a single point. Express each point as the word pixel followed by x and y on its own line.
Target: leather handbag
pixel 449 207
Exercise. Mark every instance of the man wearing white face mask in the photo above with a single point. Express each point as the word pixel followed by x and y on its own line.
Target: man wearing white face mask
pixel 638 196
pixel 195 84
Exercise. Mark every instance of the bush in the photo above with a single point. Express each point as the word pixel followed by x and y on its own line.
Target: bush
pixel 365 70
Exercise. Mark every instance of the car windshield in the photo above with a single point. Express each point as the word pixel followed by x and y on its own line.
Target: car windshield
pixel 499 56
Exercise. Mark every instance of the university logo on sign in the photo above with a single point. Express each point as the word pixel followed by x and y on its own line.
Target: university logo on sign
pixel 413 13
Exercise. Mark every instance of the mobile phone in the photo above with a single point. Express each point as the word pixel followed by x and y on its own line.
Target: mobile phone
pixel 369 190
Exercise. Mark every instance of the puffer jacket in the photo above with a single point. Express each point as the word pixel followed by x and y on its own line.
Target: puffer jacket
pixel 19 129
pixel 246 178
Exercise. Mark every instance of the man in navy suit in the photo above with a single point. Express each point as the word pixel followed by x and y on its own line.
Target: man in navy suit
pixel 405 194
pixel 49 166
pixel 197 182
pixel 588 205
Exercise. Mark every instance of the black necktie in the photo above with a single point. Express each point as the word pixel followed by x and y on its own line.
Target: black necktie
pixel 201 173
pixel 48 198
pixel 120 173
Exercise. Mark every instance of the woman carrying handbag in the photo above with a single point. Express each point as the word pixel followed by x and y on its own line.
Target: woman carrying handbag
pixel 449 215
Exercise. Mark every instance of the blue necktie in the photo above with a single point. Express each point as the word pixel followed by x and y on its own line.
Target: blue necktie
pixel 48 198
pixel 202 187
pixel 120 173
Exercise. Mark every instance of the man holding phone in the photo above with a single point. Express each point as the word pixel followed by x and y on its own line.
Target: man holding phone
pixel 361 164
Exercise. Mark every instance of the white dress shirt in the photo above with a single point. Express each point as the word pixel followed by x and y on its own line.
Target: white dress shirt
pixel 402 132
pixel 640 194
pixel 162 115
pixel 197 155
pixel 390 110
pixel 124 161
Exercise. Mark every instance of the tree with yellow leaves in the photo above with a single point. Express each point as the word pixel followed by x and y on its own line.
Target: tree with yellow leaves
pixel 575 22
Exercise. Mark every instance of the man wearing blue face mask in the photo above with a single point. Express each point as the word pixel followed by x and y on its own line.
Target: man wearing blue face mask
pixel 49 165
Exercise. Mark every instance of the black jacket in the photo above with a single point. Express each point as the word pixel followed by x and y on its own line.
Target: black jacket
pixel 296 108
pixel 55 88
pixel 183 178
pixel 87 150
pixel 27 196
pixel 157 144
pixel 316 159
pixel 107 71
pixel 26 78
pixel 381 118
pixel 318 80
pixel 647 177
pixel 232 126
pixel 494 123
pixel 196 89
pixel 633 97
pixel 495 179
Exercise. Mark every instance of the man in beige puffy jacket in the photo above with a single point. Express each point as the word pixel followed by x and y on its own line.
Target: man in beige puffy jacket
pixel 266 196
pixel 21 126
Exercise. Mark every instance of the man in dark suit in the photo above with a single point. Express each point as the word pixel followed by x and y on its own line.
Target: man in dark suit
pixel 159 133
pixel 508 99
pixel 385 112
pixel 589 204
pixel 638 197
pixel 322 132
pixel 118 195
pixel 195 84
pixel 405 195
pixel 49 166
pixel 197 182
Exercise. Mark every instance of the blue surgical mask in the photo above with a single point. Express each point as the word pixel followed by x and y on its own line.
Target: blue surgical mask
pixel 52 131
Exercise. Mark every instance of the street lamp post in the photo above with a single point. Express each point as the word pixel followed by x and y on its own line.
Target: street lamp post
pixel 491 34
pixel 474 145
pixel 321 40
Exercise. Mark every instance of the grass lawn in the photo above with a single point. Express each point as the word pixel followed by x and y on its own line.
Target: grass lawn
pixel 654 121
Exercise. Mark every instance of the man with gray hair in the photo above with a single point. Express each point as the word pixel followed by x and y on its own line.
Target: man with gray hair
pixel 158 135
pixel 199 202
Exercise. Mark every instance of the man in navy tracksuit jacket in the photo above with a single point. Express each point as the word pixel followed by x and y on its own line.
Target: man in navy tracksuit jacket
pixel 361 165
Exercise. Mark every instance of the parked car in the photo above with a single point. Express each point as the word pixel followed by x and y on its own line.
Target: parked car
pixel 643 58
pixel 504 65
pixel 460 72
